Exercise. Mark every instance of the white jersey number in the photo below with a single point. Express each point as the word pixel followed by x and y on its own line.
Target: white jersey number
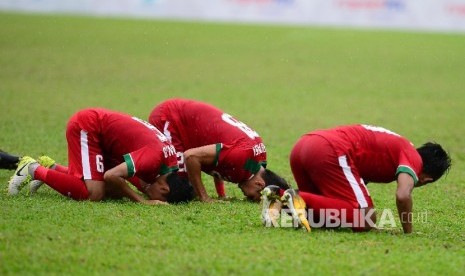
pixel 380 129
pixel 99 163
pixel 153 128
pixel 247 130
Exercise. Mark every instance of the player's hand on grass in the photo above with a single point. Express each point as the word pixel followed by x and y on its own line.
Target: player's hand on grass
pixel 218 200
pixel 225 199
pixel 205 199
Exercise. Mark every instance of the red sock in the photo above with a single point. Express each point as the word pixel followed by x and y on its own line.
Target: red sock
pixel 65 184
pixel 321 205
pixel 61 168
pixel 220 189
pixel 318 202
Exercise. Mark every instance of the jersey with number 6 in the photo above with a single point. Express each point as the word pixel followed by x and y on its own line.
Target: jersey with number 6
pixel 191 124
pixel 378 154
pixel 99 139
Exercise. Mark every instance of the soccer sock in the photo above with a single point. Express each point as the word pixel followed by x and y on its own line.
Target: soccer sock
pixel 65 184
pixel 321 205
pixel 220 189
pixel 60 168
pixel 321 202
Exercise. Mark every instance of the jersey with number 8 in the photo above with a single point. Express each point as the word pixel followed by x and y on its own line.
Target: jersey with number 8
pixel 191 124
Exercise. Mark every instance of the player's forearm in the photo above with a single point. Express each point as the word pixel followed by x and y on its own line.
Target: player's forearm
pixel 121 184
pixel 404 207
pixel 194 173
pixel 198 186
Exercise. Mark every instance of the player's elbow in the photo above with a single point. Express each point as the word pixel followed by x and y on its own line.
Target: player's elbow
pixel 188 153
pixel 189 157
pixel 403 197
pixel 109 176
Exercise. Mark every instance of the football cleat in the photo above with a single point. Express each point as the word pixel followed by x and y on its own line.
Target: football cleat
pixel 46 162
pixel 21 177
pixel 34 185
pixel 8 161
pixel 297 207
pixel 271 206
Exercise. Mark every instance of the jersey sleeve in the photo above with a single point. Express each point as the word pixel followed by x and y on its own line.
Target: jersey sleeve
pixel 411 164
pixel 238 164
pixel 148 163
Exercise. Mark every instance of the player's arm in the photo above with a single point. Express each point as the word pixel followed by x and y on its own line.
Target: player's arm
pixel 405 184
pixel 140 184
pixel 117 177
pixel 194 160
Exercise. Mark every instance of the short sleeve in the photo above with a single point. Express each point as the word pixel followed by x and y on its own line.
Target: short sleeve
pixel 410 162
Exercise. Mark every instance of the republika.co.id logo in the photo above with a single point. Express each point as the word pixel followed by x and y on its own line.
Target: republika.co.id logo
pixel 335 218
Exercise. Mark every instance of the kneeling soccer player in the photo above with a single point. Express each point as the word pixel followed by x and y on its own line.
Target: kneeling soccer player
pixel 331 168
pixel 211 141
pixel 105 148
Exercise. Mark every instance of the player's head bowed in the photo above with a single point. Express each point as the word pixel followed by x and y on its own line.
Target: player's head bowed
pixel 272 178
pixel 180 189
pixel 436 161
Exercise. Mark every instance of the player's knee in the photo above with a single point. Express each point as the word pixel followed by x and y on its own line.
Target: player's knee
pixel 367 220
pixel 96 196
pixel 96 190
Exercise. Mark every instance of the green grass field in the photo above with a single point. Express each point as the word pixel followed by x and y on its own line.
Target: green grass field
pixel 283 82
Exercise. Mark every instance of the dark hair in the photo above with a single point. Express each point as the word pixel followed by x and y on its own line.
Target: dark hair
pixel 436 161
pixel 271 178
pixel 180 189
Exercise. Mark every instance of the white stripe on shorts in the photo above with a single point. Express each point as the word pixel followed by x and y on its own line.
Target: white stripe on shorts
pixel 85 156
pixel 352 181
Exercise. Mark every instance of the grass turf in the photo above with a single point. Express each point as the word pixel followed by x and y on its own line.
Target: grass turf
pixel 283 82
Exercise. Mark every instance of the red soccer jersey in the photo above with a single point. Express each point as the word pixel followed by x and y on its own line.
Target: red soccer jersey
pixel 240 150
pixel 123 138
pixel 377 153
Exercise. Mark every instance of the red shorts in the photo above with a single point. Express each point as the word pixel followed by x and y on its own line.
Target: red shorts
pixel 317 169
pixel 85 157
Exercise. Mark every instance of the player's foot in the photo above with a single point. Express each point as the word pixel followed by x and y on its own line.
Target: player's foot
pixel 297 207
pixel 34 185
pixel 8 161
pixel 21 177
pixel 271 206
pixel 44 161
